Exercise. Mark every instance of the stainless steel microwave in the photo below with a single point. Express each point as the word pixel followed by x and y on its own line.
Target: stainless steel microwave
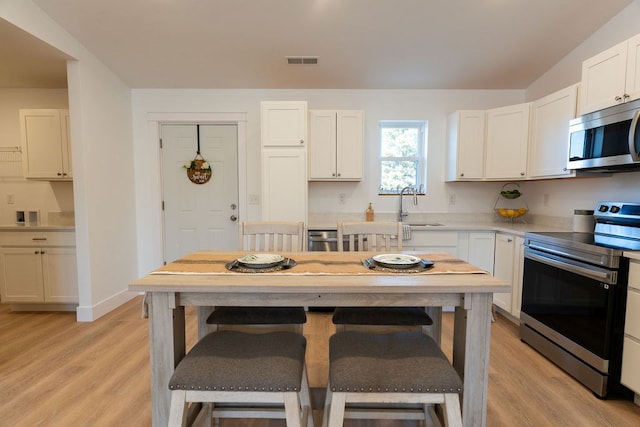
pixel 607 140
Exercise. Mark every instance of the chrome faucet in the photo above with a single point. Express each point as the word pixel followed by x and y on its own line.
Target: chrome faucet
pixel 404 213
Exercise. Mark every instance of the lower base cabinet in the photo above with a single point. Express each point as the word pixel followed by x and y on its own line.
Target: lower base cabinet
pixel 34 272
pixel 508 266
pixel 630 375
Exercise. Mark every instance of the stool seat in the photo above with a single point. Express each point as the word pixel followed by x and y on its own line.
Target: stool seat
pixel 397 316
pixel 238 361
pixel 405 361
pixel 257 316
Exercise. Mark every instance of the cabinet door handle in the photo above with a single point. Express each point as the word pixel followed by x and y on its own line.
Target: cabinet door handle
pixel 618 98
pixel 302 141
pixel 36 252
pixel 39 238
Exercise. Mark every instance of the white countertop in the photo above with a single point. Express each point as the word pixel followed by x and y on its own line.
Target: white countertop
pixel 36 228
pixel 516 228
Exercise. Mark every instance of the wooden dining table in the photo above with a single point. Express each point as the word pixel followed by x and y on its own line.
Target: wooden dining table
pixel 321 279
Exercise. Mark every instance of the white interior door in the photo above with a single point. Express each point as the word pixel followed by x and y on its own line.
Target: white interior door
pixel 199 216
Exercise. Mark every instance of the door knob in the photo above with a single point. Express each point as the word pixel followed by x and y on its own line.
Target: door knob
pixel 233 218
pixel 233 206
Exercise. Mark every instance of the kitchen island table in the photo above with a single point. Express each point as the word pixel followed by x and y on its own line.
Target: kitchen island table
pixel 328 279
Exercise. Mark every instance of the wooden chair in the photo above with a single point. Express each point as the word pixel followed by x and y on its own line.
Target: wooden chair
pixel 272 236
pixel 405 369
pixel 268 236
pixel 244 375
pixel 369 236
pixel 375 236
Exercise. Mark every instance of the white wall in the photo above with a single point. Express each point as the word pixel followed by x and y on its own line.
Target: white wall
pixel 100 110
pixel 433 106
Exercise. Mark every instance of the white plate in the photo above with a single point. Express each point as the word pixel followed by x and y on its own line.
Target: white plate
pixel 396 260
pixel 261 260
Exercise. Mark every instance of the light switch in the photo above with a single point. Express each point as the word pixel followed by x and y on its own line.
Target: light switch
pixel 10 199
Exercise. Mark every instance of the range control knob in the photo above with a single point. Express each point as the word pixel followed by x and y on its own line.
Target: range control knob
pixel 614 209
pixel 603 208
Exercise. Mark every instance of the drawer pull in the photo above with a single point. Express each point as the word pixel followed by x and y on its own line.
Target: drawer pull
pixel 39 238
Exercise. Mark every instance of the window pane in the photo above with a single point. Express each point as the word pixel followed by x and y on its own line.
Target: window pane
pixel 398 174
pixel 399 142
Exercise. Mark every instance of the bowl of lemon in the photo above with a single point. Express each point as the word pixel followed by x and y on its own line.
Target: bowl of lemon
pixel 511 212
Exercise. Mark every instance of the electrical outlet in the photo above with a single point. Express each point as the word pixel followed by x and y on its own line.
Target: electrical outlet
pixel 452 199
pixel 253 199
pixel 342 198
pixel 10 199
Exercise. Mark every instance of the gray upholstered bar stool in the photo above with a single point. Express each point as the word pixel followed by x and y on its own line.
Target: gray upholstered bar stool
pixel 244 375
pixel 375 236
pixel 402 369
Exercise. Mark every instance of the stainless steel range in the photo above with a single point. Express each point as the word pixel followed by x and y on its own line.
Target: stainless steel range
pixel 574 296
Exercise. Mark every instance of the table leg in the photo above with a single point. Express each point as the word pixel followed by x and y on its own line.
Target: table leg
pixel 203 314
pixel 166 330
pixel 471 345
pixel 434 330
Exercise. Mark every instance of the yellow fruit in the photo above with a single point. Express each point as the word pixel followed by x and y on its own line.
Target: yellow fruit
pixel 522 211
pixel 511 213
pixel 502 212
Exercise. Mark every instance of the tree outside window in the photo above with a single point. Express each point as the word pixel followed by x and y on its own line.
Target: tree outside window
pixel 402 156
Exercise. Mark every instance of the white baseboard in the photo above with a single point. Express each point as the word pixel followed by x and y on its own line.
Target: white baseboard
pixel 91 313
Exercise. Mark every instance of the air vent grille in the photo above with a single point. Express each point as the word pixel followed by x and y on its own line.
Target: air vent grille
pixel 302 60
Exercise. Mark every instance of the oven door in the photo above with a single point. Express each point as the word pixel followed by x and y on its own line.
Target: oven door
pixel 574 303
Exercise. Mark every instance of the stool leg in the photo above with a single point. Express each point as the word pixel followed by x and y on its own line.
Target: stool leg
pixel 177 411
pixel 292 410
pixel 336 409
pixel 327 405
pixel 305 398
pixel 452 414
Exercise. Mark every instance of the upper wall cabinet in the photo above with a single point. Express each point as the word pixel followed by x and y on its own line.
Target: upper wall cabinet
pixel 506 142
pixel 548 145
pixel 611 77
pixel 46 145
pixel 336 145
pixel 465 145
pixel 286 123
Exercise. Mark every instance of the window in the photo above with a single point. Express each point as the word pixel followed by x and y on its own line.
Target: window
pixel 402 156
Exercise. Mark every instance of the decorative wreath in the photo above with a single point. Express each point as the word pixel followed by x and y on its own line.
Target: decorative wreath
pixel 198 170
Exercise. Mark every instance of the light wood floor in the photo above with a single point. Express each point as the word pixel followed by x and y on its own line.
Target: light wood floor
pixel 57 372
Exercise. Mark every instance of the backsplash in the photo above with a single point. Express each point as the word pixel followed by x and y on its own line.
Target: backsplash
pixel 63 219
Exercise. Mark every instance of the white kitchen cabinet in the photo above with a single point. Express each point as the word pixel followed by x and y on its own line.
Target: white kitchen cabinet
pixel 432 241
pixel 611 77
pixel 506 142
pixel 284 185
pixel 336 145
pixel 46 144
pixel 481 250
pixel 283 123
pixel 465 145
pixel 630 375
pixel 284 163
pixel 38 267
pixel 508 267
pixel 549 141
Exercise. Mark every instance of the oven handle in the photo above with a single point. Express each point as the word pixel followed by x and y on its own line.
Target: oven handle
pixel 604 276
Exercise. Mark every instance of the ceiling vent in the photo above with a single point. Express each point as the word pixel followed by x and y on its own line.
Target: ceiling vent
pixel 302 60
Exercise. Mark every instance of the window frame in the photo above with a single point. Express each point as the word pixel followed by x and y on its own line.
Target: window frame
pixel 421 157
